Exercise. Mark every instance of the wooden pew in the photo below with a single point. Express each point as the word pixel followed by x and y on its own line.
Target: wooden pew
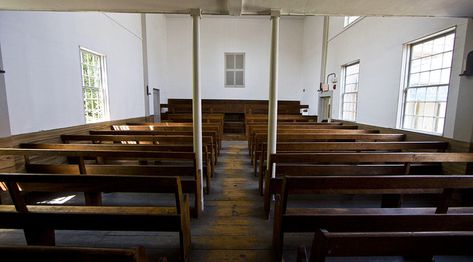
pixel 253 129
pixel 330 136
pixel 40 221
pixel 155 126
pixel 206 118
pixel 142 139
pixel 259 136
pixel 184 166
pixel 300 125
pixel 72 254
pixel 314 147
pixel 121 147
pixel 259 119
pixel 410 244
pixel 212 134
pixel 316 164
pixel 441 219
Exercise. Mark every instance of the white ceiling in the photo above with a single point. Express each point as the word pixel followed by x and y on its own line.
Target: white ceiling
pixel 443 8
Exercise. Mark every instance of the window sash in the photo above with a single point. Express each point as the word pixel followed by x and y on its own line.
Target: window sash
pixel 350 107
pixel 232 74
pixel 426 93
pixel 93 87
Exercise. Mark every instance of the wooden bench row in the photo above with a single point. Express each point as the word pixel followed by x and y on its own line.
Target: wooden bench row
pixel 316 164
pixel 375 231
pixel 115 162
pixel 40 222
pixel 323 136
pixel 314 147
pixel 72 254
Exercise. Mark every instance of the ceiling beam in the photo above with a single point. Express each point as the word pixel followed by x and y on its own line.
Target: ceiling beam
pixel 431 8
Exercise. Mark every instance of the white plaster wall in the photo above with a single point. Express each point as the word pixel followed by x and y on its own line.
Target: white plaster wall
pixel 312 55
pixel 251 35
pixel 41 55
pixel 157 54
pixel 378 43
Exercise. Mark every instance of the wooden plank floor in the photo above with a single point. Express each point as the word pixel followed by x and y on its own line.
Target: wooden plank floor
pixel 233 227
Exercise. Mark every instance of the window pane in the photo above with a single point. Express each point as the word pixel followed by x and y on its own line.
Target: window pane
pixel 442 109
pixel 418 121
pixel 230 78
pixel 449 41
pixel 239 61
pixel 416 51
pixel 445 76
pixel 239 78
pixel 410 107
pixel 435 77
pixel 408 122
pixel 442 93
pixel 437 61
pixel 230 62
pixel 439 45
pixel 440 125
pixel 424 78
pixel 427 48
pixel 421 94
pixel 411 94
pixel 415 66
pixel 420 109
pixel 431 94
pixel 429 109
pixel 428 124
pixel 414 80
pixel 425 63
pixel 447 59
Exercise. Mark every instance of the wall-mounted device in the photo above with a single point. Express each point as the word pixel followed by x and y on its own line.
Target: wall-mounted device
pixel 334 80
pixel 324 87
pixel 2 71
pixel 468 65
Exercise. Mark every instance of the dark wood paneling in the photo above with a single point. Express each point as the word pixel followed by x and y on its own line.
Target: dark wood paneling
pixel 233 106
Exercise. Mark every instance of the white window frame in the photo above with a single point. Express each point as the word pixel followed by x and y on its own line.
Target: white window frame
pixel 234 70
pixel 343 91
pixel 103 88
pixel 406 69
pixel 347 21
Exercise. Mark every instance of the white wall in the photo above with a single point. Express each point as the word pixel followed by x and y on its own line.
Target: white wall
pixel 378 43
pixel 4 117
pixel 157 53
pixel 251 35
pixel 312 55
pixel 41 56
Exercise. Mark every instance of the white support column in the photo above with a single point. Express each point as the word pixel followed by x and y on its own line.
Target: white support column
pixel 273 86
pixel 196 99
pixel 144 45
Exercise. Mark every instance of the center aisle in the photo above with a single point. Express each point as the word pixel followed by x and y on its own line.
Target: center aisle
pixel 232 227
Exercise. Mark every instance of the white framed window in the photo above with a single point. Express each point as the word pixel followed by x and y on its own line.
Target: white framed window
pixel 94 86
pixel 234 69
pixel 425 91
pixel 349 20
pixel 351 75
